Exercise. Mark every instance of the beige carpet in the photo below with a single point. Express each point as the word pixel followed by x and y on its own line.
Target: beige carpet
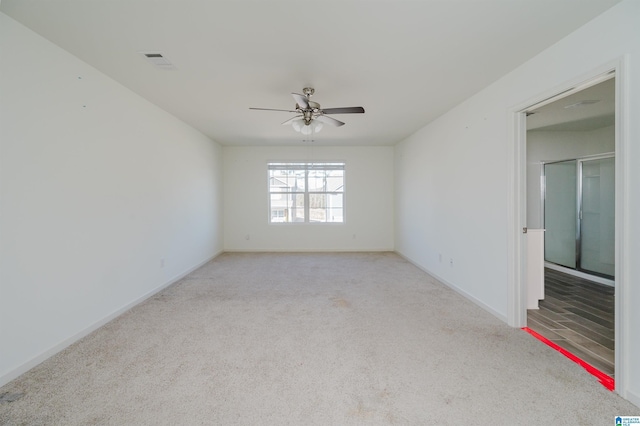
pixel 308 339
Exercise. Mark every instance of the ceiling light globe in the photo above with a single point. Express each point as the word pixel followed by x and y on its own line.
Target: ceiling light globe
pixel 298 125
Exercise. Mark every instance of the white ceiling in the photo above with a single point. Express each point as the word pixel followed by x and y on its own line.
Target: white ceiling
pixel 406 62
pixel 588 109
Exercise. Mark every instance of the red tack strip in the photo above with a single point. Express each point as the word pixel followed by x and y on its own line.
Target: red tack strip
pixel 606 381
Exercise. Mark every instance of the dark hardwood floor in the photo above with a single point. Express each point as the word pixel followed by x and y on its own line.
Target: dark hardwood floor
pixel 577 315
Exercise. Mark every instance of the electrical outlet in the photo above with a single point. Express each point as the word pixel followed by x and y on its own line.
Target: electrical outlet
pixel 451 262
pixel 247 237
pixel 440 257
pixel 162 263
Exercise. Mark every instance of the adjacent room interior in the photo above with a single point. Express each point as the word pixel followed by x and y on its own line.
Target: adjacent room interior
pixel 571 197
pixel 142 142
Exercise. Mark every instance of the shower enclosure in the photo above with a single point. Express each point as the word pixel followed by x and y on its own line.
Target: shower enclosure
pixel 579 214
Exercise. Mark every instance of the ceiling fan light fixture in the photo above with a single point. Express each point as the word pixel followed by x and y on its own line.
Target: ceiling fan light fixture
pixel 311 117
pixel 301 126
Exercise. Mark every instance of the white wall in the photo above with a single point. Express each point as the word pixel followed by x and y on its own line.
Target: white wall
pixel 549 145
pixel 452 176
pixel 96 187
pixel 368 201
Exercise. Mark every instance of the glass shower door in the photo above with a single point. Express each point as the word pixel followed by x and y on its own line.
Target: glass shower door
pixel 579 214
pixel 597 216
pixel 560 213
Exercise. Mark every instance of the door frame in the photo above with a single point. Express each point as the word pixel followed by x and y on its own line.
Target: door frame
pixel 517 204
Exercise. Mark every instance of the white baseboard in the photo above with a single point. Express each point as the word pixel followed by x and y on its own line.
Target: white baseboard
pixel 457 289
pixel 15 373
pixel 634 398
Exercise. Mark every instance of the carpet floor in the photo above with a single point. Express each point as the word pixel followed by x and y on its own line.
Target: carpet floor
pixel 308 339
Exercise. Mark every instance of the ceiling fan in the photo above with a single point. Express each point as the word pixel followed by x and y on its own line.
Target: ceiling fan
pixel 310 116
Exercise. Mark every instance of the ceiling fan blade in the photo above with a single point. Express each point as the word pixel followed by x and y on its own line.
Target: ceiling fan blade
pixel 289 121
pixel 271 109
pixel 301 100
pixel 313 105
pixel 329 120
pixel 344 110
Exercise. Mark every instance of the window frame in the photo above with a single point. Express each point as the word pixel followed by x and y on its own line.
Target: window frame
pixel 307 167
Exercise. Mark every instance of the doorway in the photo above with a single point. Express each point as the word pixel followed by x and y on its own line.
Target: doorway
pixel 570 157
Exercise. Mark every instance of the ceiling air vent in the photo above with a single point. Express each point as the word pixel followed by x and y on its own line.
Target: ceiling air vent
pixel 583 103
pixel 158 60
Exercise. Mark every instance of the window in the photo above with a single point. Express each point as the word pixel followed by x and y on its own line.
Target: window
pixel 306 192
